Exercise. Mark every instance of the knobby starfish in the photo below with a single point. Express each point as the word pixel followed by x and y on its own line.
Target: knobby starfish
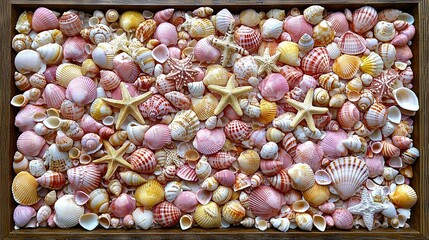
pixel 128 105
pixel 120 42
pixel 229 95
pixel 181 71
pixel 367 208
pixel 267 63
pixel 228 46
pixel 382 85
pixel 114 158
pixel 306 110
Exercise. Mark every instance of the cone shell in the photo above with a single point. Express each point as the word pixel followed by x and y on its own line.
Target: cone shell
pixel 316 61
pixel 364 19
pixel 150 194
pixel 208 216
pixel 184 126
pixel 166 214
pixel 248 38
pixel 346 66
pixel 24 189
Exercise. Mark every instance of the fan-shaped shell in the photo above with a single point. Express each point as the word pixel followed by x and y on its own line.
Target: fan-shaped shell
pixel 332 144
pixel 316 61
pixel 166 214
pixel 81 90
pixel 84 178
pixel 201 28
pixel 245 68
pixel 338 22
pixel 309 153
pixel 237 130
pixel 346 66
pixel 289 53
pixel 44 19
pixel 143 160
pixel 248 38
pixel 150 194
pixel 351 43
pixel 297 26
pixel 67 212
pixel 364 19
pixel 272 28
pixel 222 20
pixel 209 141
pixel 24 189
pixel 208 216
pixel 372 64
pixel 265 202
pixel 249 161
pixel 376 116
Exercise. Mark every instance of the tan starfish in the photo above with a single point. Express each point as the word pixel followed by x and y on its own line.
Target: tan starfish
pixel 181 71
pixel 228 46
pixel 229 95
pixel 306 110
pixel 128 105
pixel 114 158
pixel 367 208
pixel 267 63
pixel 120 42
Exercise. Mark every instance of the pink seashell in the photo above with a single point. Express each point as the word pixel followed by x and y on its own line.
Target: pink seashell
pixel 285 158
pixel 70 110
pixel 166 214
pixel 289 143
pixel 400 40
pixel 51 74
pixel 375 165
pixel 225 177
pixel 125 68
pixel 402 142
pixel 221 160
pixel 166 33
pixel 242 181
pixel 322 177
pixel 174 52
pixel 74 49
pixel 122 206
pixel 322 120
pixel 376 116
pixel 257 138
pixel 109 80
pixel 52 180
pixel 85 178
pixel 187 173
pixel 143 160
pixel 70 24
pixel 310 153
pixel 91 143
pixel 410 31
pixel 270 167
pixel 406 76
pixel 44 19
pixel 297 26
pixel 273 87
pixel 343 219
pixel 209 141
pixel 24 118
pixel 205 52
pixel 293 75
pixel 332 144
pixel 285 36
pixel 81 90
pixel 204 196
pixel 229 113
pixel 389 150
pixel 403 53
pixel 281 181
pixel 265 202
pixel 328 207
pixel 105 132
pixel 116 94
pixel 155 107
pixel 338 22
pixel 179 100
pixel 54 95
pixel 22 215
pixel 351 43
pixel 186 201
pixel 30 144
pixel 292 196
pixel 348 115
pixel 248 38
pixel 157 136
pixel 163 15
pixel 164 86
pixel 89 124
pixel 364 19
pixel 81 198
pixel 237 130
pixel 160 53
pixel 316 62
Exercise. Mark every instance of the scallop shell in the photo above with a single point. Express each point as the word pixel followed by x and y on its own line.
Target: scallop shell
pixel 404 196
pixel 346 66
pixel 364 19
pixel 316 61
pixel 376 116
pixel 348 115
pixel 265 202
pixel 372 64
pixel 67 212
pixel 272 28
pixel 84 178
pixel 289 53
pixel 166 214
pixel 352 44
pixel 302 176
pixel 145 30
pixel 201 28
pixel 24 189
pixel 387 53
pixel 222 20
pixel 150 194
pixel 130 20
pixel 250 17
pixel 248 38
pixel 208 216
pixel 143 160
pixel 44 19
pixel 66 72
pixel 339 23
pixel 166 33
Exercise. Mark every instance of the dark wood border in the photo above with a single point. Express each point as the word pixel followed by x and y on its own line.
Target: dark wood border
pixel 9 10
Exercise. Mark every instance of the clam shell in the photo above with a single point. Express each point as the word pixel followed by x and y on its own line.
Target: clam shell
pixel 89 221
pixel 248 38
pixel 143 160
pixel 297 26
pixel 364 19
pixel 317 55
pixel 166 214
pixel 27 61
pixel 372 64
pixel 289 53
pixel 150 194
pixel 81 90
pixel 143 218
pixel 346 66
pixel 404 196
pixel 66 72
pixel 24 189
pixel 130 20
pixel 222 20
pixel 67 212
pixel 201 28
pixel 406 99
pixel 184 126
pixel 249 162
pixel 376 116
pixel 233 212
pixel 302 176
pixel 208 216
pixel 44 19
pixel 272 28
pixel 85 178
pixel 351 43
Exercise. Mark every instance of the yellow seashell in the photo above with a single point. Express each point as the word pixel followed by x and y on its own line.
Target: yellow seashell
pixel 372 64
pixel 132 178
pixel 323 34
pixel 67 72
pixel 201 28
pixel 145 30
pixel 24 189
pixel 130 20
pixel 118 138
pixel 268 111
pixel 23 25
pixel 329 81
pixel 404 196
pixel 208 216
pixel 289 53
pixel 150 194
pixel 204 107
pixel 321 97
pixel 233 212
pixel 274 135
pixel 302 176
pixel 143 58
pixel 100 109
pixel 346 66
pixel 89 68
pixel 216 75
pixel 317 195
pixel 250 17
pixel 249 162
pixel 314 14
pixel 98 201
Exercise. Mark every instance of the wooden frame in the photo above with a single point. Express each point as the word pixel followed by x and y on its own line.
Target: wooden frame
pixel 10 10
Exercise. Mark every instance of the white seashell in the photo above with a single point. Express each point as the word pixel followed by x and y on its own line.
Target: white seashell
pixel 28 61
pixel 143 218
pixel 272 28
pixel 269 150
pixel 89 221
pixel 390 173
pixel 300 206
pixel 261 224
pixel 67 212
pixel 406 99
pixel 390 210
pixel 172 190
pixel 304 221
pixel 281 224
pixel 319 222
pixel 36 167
pixel 186 222
pixel 196 89
pixel 43 214
pixel 322 177
pixel 334 50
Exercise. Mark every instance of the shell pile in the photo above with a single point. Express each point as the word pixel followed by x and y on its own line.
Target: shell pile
pixel 279 119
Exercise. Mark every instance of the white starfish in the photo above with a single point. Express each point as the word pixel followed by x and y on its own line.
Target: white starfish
pixel 367 208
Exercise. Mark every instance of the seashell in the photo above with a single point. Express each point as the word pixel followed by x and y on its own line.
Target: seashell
pixel 302 176
pixel 250 17
pixel 321 97
pixel 24 189
pixel 52 180
pixel 389 150
pixel 376 116
pixel 372 64
pixel 233 212
pixel 89 221
pixel 155 107
pixel 72 111
pixel 248 38
pixel 314 14
pixel 112 15
pixel 272 28
pixel 345 184
pixel 150 194
pixel 145 30
pixel 270 168
pixel 44 19
pixel 317 55
pixel 109 80
pixel 237 130
pixel 400 25
pixel 81 90
pixel 351 43
pixel 30 144
pixel 43 213
pixel 289 53
pixel 99 109
pixel 245 68
pixel 27 61
pixel 304 221
pixel 130 20
pixel 323 34
pixel 21 42
pixel 387 53
pixel 166 214
pixel 166 33
pixel 74 49
pixel 70 24
pixel 160 53
pixel 204 196
pixel 205 52
pixel 184 126
pixel 222 20
pixel 132 178
pixel 222 194
pixel 186 222
pixel 317 195
pixel 125 68
pixel 356 144
pixel 202 12
pixel 163 15
pixel 384 31
pixel 343 219
pixel 157 136
pixel 67 212
pixel 84 178
pixel 338 23
pixel 309 153
pixel 122 205
pixel 348 115
pixel 209 141
pixel 404 196
pixel 143 218
pixel 406 17
pixel 201 28
pixel 172 190
pixel 20 162
pixel 406 99
pixel 208 216
pixel 115 187
pixel 400 40
pixel 187 173
pixel 389 14
pixel 402 142
pixel 186 201
pixel 225 177
pixel 364 19
pixel 242 181
pixel 297 26
pixel 276 13
pixel 23 25
pixel 21 81
pixel 36 167
pixel 143 160
pixel 346 66
pixel 50 198
pixel 104 220
pixel 306 43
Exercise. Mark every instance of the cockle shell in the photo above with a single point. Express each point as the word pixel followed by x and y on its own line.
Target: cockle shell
pixel 122 205
pixel 209 141
pixel 309 153
pixel 376 116
pixel 208 216
pixel 289 53
pixel 205 52
pixel 339 23
pixel 70 24
pixel 143 160
pixel 27 61
pixel 351 43
pixel 166 33
pixel 201 28
pixel 272 28
pixel 184 126
pixel 245 68
pixel 89 221
pixel 74 49
pixel 348 115
pixel 248 38
pixel 30 144
pixel 150 194
pixel 125 68
pixel 265 202
pixel 44 19
pixel 24 189
pixel 346 66
pixel 297 26
pixel 332 144
pixel 221 160
pixel 317 55
pixel 250 17
pixel 67 212
pixel 237 130
pixel 166 214
pixel 130 20
pixel 85 178
pixel 233 212
pixel 404 196
pixel 372 64
pixel 387 53
pixel 343 219
pixel 364 19
pixel 155 107
pixel 249 162
pixel 143 218
pixel 81 90
pixel 66 72
pixel 302 176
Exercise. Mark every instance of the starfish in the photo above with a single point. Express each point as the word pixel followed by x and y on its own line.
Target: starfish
pixel 229 95
pixel 114 158
pixel 382 85
pixel 267 63
pixel 172 157
pixel 306 110
pixel 181 71
pixel 128 105
pixel 227 45
pixel 120 42
pixel 367 208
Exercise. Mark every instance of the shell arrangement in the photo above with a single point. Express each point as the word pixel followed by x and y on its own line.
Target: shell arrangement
pixel 280 119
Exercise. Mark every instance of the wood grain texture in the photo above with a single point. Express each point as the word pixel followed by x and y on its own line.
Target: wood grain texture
pixel 10 9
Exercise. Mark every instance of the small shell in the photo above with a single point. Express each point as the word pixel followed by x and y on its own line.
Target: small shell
pixel 306 43
pixel 272 28
pixel 406 99
pixel 52 180
pixel 304 221
pixel 384 31
pixel 222 194
pixel 89 221
pixel 132 178
pixel 321 97
pixel 163 15
pixel 351 43
pixel 27 61
pixel 364 19
pixel 387 53
pixel 184 126
pixel 302 176
pixel 318 55
pixel 130 20
pixel 372 64
pixel 202 12
pixel 186 222
pixel 150 194
pixel 201 28
pixel 250 17
pixel 314 14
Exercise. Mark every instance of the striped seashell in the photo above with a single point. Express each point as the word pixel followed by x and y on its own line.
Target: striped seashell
pixel 316 62
pixel 203 169
pixel 157 136
pixel 289 53
pixel 203 12
pixel 221 160
pixel 293 75
pixel 130 20
pixel 237 130
pixel 155 107
pixel 323 34
pixel 144 82
pixel 343 182
pixel 314 14
pixel 346 66
pixel 166 214
pixel 222 20
pixel 309 153
pixel 21 81
pixel 98 200
pixel 44 19
pixel 389 150
pixel 163 85
pixel 289 143
pixel 51 53
pixel 248 38
pixel 402 142
pixel 84 178
pixel 329 81
pixel 233 212
pixel 184 126
pixel 58 161
pixel 265 202
pixel 270 167
pixel 204 51
pixel 272 28
pixel 54 95
pixel 125 68
pixel 364 19
pixel 268 111
pixel 72 111
pixel 387 53
pixel 131 178
pixel 66 72
pixel 372 64
pixel 400 25
pixel 306 43
pixel 321 97
pixel 245 68
pixel 209 141
pixel 302 176
pixel 109 80
pixel 166 33
pixel 338 22
pixel 187 173
pixel 410 155
pixel 210 184
pixel 163 15
pixel 334 51
pixel 404 196
pixel 297 26
pixel 225 177
pixel 145 30
pixel 376 116
pixel 222 195
pixel 24 189
pixel 178 99
pixel 144 59
pixel 143 160
pixel 343 219
pixel 389 14
pixel 70 24
pixel 249 161
pixel 348 115
pixel 172 190
pixel 351 43
pixel 150 194
pixel 201 28
pixel 52 180
pixel 208 216
pixel 281 181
